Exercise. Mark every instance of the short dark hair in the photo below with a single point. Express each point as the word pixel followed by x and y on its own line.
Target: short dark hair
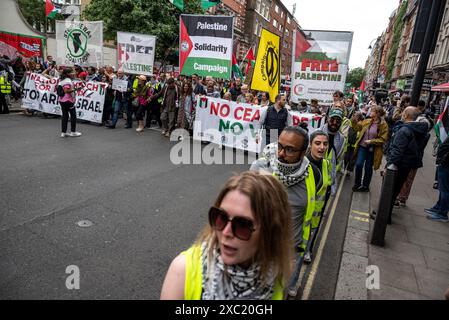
pixel 65 73
pixel 314 101
pixel 317 133
pixel 302 133
pixel 421 103
pixel 338 93
pixel 278 97
pixel 170 80
pixel 303 103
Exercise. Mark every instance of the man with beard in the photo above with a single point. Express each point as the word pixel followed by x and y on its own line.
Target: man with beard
pixel 276 118
pixel 286 161
pixel 170 95
pixel 337 143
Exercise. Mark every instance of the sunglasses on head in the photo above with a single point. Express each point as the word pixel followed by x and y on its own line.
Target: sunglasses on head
pixel 242 228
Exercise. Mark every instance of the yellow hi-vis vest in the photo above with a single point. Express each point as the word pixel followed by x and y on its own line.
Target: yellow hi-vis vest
pixel 5 86
pixel 311 190
pixel 321 194
pixel 193 289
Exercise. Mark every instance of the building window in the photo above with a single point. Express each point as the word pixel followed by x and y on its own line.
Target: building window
pixel 275 23
pixel 258 5
pixel 282 14
pixel 276 8
pixel 288 20
pixel 286 33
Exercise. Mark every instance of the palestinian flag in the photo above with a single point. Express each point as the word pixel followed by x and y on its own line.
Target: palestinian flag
pixel 178 4
pixel 442 125
pixel 251 59
pixel 235 68
pixel 206 4
pixel 50 9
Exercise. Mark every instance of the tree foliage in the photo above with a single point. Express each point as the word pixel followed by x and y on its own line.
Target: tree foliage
pixel 34 13
pixel 159 18
pixel 355 77
pixel 397 33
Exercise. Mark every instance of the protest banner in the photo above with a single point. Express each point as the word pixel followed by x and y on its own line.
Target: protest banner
pixel 205 45
pixel 136 52
pixel 267 69
pixel 119 84
pixel 238 125
pixel 319 64
pixel 40 94
pixel 16 45
pixel 79 42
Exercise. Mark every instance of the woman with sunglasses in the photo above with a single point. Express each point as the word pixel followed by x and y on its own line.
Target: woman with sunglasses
pixel 245 251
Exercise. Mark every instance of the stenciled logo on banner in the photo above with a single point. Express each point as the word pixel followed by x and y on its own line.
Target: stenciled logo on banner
pixel 270 64
pixel 77 38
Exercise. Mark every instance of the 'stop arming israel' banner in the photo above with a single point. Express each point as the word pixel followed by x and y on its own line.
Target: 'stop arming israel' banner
pixel 79 42
pixel 320 64
pixel 205 45
pixel 136 52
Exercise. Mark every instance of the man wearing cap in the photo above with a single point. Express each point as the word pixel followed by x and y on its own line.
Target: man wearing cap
pixel 337 143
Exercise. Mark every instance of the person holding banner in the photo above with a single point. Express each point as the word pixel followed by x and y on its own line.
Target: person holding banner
pixel 67 103
pixel 121 100
pixel 141 94
pixel 246 250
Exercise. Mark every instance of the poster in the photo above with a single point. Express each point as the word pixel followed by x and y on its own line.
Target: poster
pixel 320 64
pixel 40 94
pixel 205 45
pixel 119 84
pixel 79 42
pixel 136 53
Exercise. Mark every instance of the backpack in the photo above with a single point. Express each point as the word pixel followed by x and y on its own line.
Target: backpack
pixel 60 91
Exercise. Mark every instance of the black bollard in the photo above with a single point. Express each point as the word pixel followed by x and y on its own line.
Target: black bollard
pixel 383 214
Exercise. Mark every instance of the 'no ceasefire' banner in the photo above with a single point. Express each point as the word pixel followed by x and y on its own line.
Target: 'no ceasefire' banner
pixel 40 94
pixel 237 125
pixel 205 45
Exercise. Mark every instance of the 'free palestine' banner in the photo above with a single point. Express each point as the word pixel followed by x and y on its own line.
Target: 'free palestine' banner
pixel 136 52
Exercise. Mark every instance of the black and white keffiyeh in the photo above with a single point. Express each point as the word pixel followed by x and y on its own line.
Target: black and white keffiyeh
pixel 288 174
pixel 231 282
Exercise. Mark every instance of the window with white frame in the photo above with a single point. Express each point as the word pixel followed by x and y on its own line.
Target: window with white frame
pixel 275 23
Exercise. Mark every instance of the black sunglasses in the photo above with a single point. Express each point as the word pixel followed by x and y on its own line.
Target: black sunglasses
pixel 241 228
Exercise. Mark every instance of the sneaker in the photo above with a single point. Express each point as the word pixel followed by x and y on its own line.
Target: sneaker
pixel 63 135
pixel 355 188
pixel 139 129
pixel 163 132
pixel 110 126
pixel 438 217
pixel 167 134
pixel 307 258
pixel 75 134
pixel 363 189
pixel 430 211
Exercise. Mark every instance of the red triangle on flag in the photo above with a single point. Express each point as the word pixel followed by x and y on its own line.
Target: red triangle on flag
pixel 49 7
pixel 185 45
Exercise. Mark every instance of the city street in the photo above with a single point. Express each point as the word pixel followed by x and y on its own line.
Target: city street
pixel 144 209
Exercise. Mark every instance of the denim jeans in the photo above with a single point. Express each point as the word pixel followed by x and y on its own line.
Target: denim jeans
pixel 442 206
pixel 365 158
pixel 117 107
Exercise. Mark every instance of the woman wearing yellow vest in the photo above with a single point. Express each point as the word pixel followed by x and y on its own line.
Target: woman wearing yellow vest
pixel 319 143
pixel 246 250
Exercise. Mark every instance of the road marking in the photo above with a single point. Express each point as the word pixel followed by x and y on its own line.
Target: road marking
pixel 366 214
pixel 359 219
pixel 316 261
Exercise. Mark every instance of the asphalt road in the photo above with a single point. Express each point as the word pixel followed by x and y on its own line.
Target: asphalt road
pixel 144 209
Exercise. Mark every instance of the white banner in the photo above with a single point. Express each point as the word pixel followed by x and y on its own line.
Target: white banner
pixel 79 42
pixel 237 125
pixel 136 52
pixel 319 64
pixel 119 84
pixel 40 94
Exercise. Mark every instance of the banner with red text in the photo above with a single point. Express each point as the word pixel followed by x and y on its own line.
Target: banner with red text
pixel 16 45
pixel 238 125
pixel 40 94
pixel 319 64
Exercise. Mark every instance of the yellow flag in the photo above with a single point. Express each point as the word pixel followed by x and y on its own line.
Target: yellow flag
pixel 267 71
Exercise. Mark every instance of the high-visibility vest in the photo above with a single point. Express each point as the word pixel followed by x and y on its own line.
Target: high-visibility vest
pixel 193 289
pixel 321 194
pixel 311 202
pixel 5 85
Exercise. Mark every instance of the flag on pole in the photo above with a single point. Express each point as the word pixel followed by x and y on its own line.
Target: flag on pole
pixel 442 125
pixel 267 70
pixel 251 59
pixel 50 9
pixel 178 4
pixel 235 68
pixel 206 4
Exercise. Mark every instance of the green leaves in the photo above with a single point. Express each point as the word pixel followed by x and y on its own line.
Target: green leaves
pixel 159 18
pixel 355 77
pixel 397 32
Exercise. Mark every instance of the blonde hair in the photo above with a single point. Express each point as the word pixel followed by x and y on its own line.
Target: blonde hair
pixel 272 212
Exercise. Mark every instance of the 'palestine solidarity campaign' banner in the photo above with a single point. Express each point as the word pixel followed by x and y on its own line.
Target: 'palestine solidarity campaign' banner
pixel 40 94
pixel 320 64
pixel 205 45
pixel 79 42
pixel 237 125
pixel 14 45
pixel 136 52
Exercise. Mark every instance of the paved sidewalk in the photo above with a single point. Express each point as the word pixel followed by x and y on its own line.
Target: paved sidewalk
pixel 414 264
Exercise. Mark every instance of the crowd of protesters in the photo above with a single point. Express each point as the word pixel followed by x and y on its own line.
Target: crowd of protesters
pixel 303 170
